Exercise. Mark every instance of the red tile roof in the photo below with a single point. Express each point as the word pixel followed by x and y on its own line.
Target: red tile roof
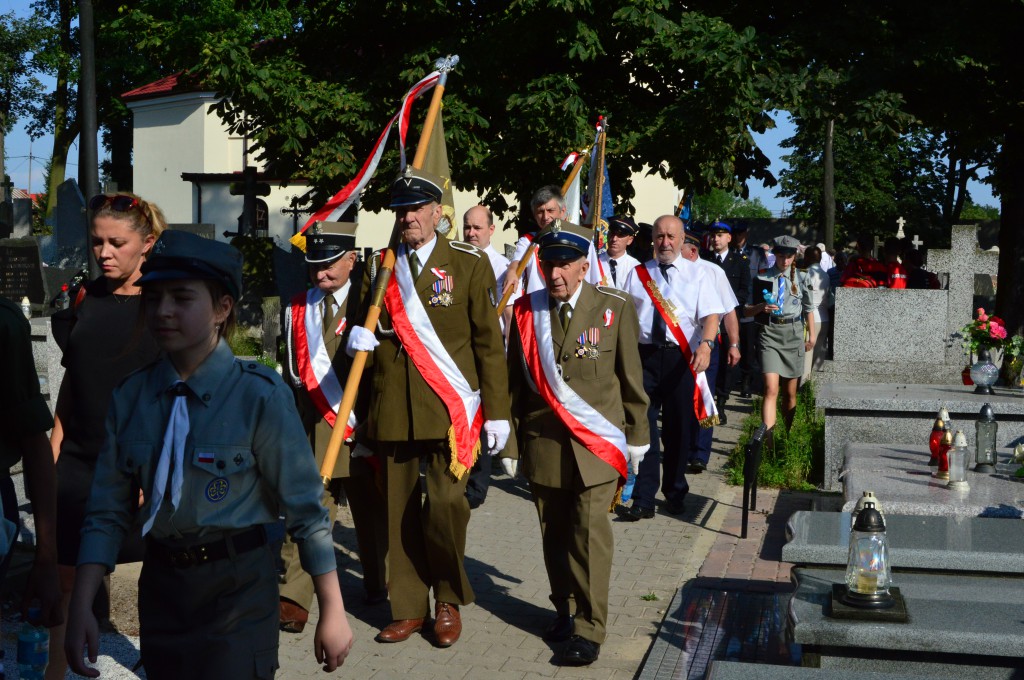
pixel 172 84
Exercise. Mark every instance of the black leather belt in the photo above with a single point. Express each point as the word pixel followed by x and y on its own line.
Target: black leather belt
pixel 776 321
pixel 184 556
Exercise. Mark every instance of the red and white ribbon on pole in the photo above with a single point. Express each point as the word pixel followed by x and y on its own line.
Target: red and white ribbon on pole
pixel 340 202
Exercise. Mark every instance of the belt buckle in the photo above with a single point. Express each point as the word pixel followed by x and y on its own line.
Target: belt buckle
pixel 180 559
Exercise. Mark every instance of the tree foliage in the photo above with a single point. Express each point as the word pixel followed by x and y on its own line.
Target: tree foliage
pixel 719 204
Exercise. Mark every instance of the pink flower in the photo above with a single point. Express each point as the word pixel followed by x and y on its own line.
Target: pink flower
pixel 982 316
pixel 997 332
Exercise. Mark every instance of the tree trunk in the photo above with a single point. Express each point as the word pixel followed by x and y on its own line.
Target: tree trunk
pixel 1010 289
pixel 64 132
pixel 949 198
pixel 828 189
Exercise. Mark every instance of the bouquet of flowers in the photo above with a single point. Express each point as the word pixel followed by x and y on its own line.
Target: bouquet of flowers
pixel 984 331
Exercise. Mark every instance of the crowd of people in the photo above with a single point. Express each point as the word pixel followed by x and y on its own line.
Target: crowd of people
pixel 171 451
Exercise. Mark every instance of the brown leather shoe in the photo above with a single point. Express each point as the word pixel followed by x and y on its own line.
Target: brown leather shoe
pixel 292 617
pixel 400 630
pixel 447 624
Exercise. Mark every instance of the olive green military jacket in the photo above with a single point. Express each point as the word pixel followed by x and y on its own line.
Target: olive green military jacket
pixel 402 406
pixel 316 426
pixel 612 383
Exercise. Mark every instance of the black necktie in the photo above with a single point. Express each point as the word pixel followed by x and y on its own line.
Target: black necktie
pixel 658 336
pixel 613 264
pixel 721 260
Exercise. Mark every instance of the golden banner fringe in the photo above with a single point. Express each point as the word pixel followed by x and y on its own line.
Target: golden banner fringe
pixel 710 422
pixel 455 467
pixel 617 499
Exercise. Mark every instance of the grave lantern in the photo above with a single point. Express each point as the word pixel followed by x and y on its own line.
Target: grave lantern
pixel 986 428
pixel 958 456
pixel 867 567
pixel 944 447
pixel 935 440
pixel 984 373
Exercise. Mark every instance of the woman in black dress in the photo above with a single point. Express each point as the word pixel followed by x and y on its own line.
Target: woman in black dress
pixel 104 345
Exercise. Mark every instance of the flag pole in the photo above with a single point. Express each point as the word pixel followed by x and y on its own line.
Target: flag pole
pixel 355 373
pixel 595 202
pixel 521 267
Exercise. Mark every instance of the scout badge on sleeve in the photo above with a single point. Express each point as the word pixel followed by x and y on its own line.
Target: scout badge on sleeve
pixel 588 342
pixel 442 288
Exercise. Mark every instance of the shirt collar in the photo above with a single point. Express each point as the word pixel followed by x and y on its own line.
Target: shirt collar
pixel 572 301
pixel 342 293
pixel 424 251
pixel 204 382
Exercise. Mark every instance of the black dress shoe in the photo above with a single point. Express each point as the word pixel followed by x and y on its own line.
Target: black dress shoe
pixel 580 652
pixel 675 507
pixel 722 418
pixel 559 630
pixel 636 513
pixel 697 466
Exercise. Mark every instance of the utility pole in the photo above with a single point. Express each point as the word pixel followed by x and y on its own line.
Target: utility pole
pixel 88 158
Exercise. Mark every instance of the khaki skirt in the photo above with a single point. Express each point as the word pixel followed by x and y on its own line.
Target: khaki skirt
pixel 782 349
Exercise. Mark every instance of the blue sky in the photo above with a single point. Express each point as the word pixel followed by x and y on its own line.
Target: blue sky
pixel 19 147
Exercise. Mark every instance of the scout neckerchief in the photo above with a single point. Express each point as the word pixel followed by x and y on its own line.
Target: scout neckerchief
pixel 585 423
pixel 311 357
pixel 655 286
pixel 172 457
pixel 428 354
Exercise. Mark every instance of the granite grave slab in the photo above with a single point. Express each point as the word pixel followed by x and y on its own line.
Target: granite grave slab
pixel 938 641
pixel 904 414
pixel 977 544
pixel 21 272
pixel 902 480
pixel 735 670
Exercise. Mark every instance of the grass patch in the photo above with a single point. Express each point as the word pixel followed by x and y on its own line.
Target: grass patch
pixel 649 597
pixel 789 465
pixel 247 346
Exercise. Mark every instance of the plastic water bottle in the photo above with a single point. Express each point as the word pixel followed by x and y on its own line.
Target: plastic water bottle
pixel 33 649
pixel 627 489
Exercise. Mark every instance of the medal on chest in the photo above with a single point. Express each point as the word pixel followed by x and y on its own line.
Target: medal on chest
pixel 442 289
pixel 587 344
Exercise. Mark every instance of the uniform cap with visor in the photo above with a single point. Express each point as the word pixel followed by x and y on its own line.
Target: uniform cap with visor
pixel 327 241
pixel 415 187
pixel 178 255
pixel 564 241
pixel 785 245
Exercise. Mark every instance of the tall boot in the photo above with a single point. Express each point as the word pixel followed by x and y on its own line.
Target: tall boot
pixel 720 400
pixel 745 387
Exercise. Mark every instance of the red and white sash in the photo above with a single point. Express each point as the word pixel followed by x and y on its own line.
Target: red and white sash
pixel 311 357
pixel 427 352
pixel 655 286
pixel 584 422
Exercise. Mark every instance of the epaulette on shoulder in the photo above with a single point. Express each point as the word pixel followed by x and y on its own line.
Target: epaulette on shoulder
pixel 614 292
pixel 466 247
pixel 256 368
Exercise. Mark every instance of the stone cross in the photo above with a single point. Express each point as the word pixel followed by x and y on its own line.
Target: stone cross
pixel 8 193
pixel 900 223
pixel 961 262
pixel 877 252
pixel 916 242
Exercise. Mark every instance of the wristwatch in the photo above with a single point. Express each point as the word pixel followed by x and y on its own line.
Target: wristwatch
pixel 711 343
pixel 735 344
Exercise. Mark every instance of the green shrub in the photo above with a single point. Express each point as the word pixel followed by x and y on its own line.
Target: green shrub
pixel 788 464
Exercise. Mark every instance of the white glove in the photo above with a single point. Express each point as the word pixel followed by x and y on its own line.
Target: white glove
pixel 636 456
pixel 510 466
pixel 360 340
pixel 497 435
pixel 360 451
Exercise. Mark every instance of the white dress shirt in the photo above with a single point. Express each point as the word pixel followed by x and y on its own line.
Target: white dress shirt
pixel 623 265
pixel 695 289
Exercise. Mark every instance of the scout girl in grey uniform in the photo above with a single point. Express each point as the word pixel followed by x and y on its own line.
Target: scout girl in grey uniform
pixel 782 328
pixel 214 445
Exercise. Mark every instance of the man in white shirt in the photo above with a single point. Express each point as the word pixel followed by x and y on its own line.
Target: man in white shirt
pixel 673 288
pixel 616 262
pixel 478 228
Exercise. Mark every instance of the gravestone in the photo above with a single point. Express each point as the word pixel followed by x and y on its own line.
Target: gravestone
pixel 22 218
pixel 885 335
pixel 6 208
pixel 67 248
pixel 21 272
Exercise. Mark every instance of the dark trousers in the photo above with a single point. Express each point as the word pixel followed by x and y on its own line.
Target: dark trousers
pixel 700 437
pixel 9 501
pixel 479 477
pixel 669 384
pixel 750 368
pixel 726 374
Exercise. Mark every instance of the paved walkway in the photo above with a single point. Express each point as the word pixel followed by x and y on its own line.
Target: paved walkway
pixel 655 559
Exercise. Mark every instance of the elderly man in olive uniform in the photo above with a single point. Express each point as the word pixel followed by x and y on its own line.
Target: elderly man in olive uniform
pixel 438 373
pixel 580 412
pixel 317 323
